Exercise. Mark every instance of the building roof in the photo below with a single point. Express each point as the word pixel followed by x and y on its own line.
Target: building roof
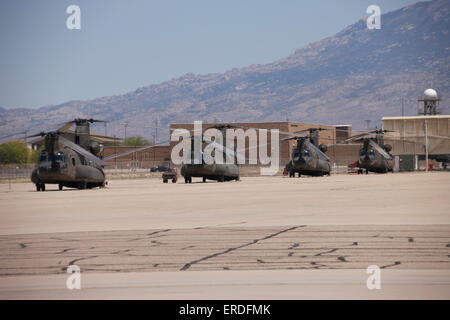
pixel 439 116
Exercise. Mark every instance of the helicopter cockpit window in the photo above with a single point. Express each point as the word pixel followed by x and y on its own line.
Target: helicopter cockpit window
pixel 43 156
pixel 371 152
pixel 306 153
pixel 61 159
pixel 59 156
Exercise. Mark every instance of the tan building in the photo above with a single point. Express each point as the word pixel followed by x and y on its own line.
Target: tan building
pixel 417 136
pixel 411 134
pixel 344 154
pixel 140 159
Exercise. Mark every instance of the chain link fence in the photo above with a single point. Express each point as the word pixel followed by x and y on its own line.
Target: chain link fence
pixel 16 172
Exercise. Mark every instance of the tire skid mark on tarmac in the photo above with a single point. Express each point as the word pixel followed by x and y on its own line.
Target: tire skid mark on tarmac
pixel 188 265
pixel 229 248
pixel 149 235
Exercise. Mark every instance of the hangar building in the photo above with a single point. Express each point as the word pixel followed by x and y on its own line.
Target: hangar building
pixel 416 136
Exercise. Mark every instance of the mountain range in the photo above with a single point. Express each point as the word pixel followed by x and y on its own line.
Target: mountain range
pixel 356 75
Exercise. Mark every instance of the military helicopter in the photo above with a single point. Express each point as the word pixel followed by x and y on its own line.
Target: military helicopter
pixel 217 171
pixel 69 163
pixel 375 155
pixel 308 157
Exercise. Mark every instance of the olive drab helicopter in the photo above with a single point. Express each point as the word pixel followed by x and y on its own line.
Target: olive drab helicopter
pixel 70 159
pixel 308 157
pixel 374 156
pixel 216 171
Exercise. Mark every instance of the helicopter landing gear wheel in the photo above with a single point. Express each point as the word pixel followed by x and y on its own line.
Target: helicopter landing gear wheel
pixel 82 185
pixel 60 187
pixel 367 171
pixel 38 187
pixel 299 174
pixel 204 179
pixel 291 174
pixel 187 179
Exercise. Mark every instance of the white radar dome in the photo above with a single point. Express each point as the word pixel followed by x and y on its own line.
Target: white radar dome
pixel 430 93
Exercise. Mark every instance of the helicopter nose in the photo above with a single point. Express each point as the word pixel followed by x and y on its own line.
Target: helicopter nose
pixel 299 159
pixel 368 160
pixel 45 165
pixel 48 166
pixel 364 159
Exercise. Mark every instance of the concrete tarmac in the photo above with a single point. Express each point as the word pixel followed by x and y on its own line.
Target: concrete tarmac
pixel 262 237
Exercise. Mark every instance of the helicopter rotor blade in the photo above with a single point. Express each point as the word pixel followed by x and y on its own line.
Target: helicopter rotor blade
pixel 81 151
pixel 316 129
pixel 241 127
pixel 66 126
pixel 96 120
pixel 118 155
pixel 292 138
pixel 40 134
pixel 228 151
pixel 285 133
pixel 379 149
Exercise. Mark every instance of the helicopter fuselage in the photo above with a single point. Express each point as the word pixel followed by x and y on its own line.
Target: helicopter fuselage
pixel 375 164
pixel 373 158
pixel 307 159
pixel 219 172
pixel 67 168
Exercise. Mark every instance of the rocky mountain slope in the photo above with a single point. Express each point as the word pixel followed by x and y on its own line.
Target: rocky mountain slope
pixel 355 75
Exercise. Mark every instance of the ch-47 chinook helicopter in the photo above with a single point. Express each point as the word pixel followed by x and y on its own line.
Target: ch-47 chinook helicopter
pixel 308 157
pixel 70 159
pixel 374 156
pixel 215 171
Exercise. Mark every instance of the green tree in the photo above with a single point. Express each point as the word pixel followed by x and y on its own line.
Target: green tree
pixel 136 141
pixel 34 155
pixel 14 152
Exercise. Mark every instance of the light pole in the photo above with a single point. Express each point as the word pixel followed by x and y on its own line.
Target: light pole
pixel 125 124
pixel 156 131
pixel 426 144
pixel 115 152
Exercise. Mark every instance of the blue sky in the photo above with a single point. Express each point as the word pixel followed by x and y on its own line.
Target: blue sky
pixel 124 45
